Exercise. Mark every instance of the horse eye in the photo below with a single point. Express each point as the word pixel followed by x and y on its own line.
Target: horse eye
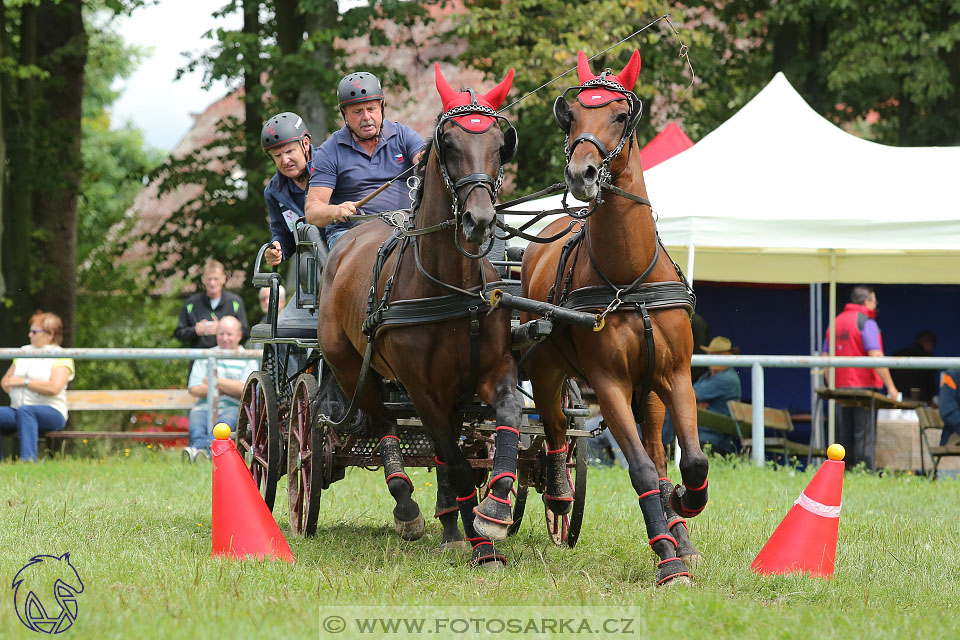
pixel 621 118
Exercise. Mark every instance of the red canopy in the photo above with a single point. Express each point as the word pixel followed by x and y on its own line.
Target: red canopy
pixel 666 144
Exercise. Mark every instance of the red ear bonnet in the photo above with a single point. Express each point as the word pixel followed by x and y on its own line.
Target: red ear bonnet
pixel 474 122
pixel 599 96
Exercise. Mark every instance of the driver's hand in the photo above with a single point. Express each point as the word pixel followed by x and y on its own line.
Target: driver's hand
pixel 273 254
pixel 344 209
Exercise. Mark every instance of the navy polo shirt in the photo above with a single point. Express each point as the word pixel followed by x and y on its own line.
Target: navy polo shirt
pixel 285 202
pixel 341 164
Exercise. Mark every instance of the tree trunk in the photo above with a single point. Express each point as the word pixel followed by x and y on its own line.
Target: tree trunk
pixel 252 99
pixel 3 148
pixel 62 51
pixel 289 41
pixel 17 251
pixel 311 105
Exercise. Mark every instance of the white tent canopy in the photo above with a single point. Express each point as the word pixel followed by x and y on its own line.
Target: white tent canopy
pixel 779 194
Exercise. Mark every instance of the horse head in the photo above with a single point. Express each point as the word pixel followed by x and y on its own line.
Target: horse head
pixel 604 115
pixel 471 151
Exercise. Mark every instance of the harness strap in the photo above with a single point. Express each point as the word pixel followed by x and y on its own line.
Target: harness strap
pixel 471 388
pixel 651 357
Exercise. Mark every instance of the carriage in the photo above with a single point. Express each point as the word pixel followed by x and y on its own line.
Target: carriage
pixel 278 432
pixel 293 420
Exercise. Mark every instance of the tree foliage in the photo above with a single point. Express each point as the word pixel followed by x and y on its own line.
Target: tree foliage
pixel 284 52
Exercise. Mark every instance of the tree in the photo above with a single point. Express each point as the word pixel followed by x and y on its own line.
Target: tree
pixel 540 41
pixel 284 58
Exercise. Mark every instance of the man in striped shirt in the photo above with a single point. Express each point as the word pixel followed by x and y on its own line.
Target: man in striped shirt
pixel 231 376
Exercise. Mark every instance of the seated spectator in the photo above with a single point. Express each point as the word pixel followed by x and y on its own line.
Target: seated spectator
pixel 231 377
pixel 925 381
pixel 37 386
pixel 950 408
pixel 265 301
pixel 713 390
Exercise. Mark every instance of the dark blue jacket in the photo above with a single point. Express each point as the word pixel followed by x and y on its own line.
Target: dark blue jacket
pixel 949 403
pixel 285 203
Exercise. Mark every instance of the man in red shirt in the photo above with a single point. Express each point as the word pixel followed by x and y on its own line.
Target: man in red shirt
pixel 859 335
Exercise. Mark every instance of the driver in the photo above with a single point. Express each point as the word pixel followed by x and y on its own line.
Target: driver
pixel 366 152
pixel 286 140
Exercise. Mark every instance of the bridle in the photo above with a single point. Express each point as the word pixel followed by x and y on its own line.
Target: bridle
pixel 561 111
pixel 471 181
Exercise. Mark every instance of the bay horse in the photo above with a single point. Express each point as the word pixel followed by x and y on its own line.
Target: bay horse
pixel 409 301
pixel 614 263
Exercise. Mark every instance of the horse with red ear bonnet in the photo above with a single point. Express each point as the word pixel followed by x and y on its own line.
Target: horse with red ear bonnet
pixel 614 264
pixel 431 272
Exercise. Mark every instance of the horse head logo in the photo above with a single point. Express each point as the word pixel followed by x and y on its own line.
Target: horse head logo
pixel 38 584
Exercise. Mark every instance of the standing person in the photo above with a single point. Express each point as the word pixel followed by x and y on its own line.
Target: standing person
pixel 201 313
pixel 366 152
pixel 701 338
pixel 231 377
pixel 286 140
pixel 37 386
pixel 858 334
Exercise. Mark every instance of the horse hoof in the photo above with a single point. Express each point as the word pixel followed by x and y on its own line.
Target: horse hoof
pixel 489 529
pixel 692 561
pixel 410 530
pixel 559 505
pixel 675 581
pixel 455 546
pixel 493 565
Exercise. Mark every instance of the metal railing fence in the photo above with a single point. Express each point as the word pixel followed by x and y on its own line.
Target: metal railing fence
pixel 757 363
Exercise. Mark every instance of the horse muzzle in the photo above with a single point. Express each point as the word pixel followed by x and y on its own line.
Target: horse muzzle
pixel 583 181
pixel 477 226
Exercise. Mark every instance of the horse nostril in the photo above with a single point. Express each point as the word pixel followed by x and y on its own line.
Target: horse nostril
pixel 590 174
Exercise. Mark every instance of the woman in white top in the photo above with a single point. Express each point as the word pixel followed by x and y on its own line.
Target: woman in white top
pixel 37 386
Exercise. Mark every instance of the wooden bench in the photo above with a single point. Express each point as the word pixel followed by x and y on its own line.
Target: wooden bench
pixel 778 420
pixel 930 419
pixel 125 400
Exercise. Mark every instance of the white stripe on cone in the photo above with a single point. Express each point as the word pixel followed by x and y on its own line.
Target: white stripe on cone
pixel 818 508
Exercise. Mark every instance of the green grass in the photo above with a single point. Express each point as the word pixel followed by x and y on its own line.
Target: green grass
pixel 138 529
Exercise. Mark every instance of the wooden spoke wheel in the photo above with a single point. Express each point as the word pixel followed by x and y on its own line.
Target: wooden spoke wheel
pixel 258 434
pixel 304 468
pixel 565 529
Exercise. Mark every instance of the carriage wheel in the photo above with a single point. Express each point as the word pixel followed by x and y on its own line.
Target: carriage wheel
pixel 258 434
pixel 565 529
pixel 304 471
pixel 519 504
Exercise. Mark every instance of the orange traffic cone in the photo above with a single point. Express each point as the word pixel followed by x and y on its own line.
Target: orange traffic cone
pixel 806 539
pixel 242 525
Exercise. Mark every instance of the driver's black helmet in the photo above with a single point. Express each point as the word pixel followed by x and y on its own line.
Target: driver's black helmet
pixel 358 86
pixel 282 128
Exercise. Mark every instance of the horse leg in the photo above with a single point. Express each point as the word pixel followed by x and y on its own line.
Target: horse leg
pixel 445 431
pixel 448 513
pixel 495 513
pixel 614 401
pixel 407 519
pixel 689 498
pixel 651 427
pixel 346 365
pixel 547 392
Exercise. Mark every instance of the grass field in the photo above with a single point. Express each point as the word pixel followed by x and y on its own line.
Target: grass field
pixel 137 526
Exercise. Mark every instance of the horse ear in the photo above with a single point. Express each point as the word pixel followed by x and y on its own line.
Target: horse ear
pixel 443 87
pixel 583 67
pixel 628 77
pixel 497 95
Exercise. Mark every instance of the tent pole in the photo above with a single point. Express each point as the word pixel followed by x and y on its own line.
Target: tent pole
pixel 831 372
pixel 689 273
